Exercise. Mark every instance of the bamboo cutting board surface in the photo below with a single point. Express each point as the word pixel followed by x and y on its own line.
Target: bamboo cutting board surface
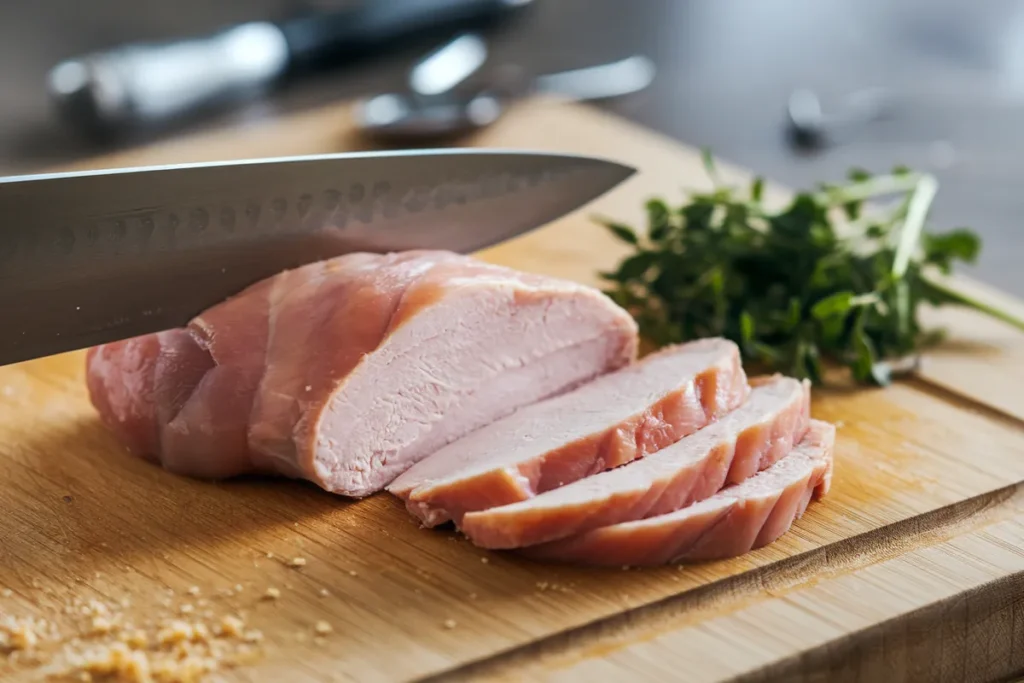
pixel 908 570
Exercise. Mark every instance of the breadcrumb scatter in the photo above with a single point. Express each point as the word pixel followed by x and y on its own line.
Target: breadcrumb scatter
pixel 136 639
pixel 19 634
pixel 101 625
pixel 109 645
pixel 322 628
pixel 297 562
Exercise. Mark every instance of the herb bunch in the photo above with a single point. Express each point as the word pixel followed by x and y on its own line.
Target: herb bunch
pixel 820 280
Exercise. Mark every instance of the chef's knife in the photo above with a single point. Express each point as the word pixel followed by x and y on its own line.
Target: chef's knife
pixel 91 257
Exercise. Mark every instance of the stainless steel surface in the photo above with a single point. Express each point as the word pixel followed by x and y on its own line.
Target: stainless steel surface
pixel 410 117
pixel 809 126
pixel 448 65
pixel 614 79
pixel 91 257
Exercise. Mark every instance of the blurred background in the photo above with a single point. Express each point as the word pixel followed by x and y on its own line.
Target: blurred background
pixel 934 84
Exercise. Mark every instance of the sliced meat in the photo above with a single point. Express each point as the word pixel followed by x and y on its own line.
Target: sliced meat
pixel 749 439
pixel 348 371
pixel 734 521
pixel 606 423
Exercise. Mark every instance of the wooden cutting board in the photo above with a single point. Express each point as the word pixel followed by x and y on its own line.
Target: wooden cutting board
pixel 910 570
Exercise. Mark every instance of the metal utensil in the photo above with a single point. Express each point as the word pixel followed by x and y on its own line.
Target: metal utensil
pixel 406 118
pixel 448 65
pixel 112 92
pixel 91 257
pixel 810 127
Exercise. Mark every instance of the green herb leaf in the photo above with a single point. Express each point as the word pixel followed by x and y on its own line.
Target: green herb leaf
pixel 709 164
pixel 623 232
pixel 837 304
pixel 942 249
pixel 658 219
pixel 757 189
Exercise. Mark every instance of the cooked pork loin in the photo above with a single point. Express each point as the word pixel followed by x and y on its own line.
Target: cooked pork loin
pixel 750 438
pixel 732 522
pixel 608 422
pixel 346 372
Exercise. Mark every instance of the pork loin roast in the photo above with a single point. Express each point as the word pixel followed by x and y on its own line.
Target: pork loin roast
pixel 610 421
pixel 346 372
pixel 737 519
pixel 745 441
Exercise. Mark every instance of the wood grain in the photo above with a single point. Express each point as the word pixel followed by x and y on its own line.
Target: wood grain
pixel 922 528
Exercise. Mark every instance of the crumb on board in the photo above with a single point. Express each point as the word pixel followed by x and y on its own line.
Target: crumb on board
pixel 270 556
pixel 272 594
pixel 232 626
pixel 6 592
pixel 136 639
pixel 107 645
pixel 322 628
pixel 297 562
pixel 485 560
pixel 20 634
pixel 324 593
pixel 238 588
pixel 101 625
pixel 353 572
pixel 450 623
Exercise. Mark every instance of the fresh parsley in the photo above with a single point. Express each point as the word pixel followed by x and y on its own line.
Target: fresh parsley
pixel 823 279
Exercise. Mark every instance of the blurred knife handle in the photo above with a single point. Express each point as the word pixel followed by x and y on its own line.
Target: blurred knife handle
pixel 108 93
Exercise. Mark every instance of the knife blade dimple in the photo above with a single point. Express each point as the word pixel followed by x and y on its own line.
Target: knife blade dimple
pixel 96 256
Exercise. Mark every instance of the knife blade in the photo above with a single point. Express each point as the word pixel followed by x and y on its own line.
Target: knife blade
pixel 96 256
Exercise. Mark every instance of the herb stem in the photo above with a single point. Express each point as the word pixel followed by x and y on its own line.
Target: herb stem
pixel 957 296
pixel 910 233
pixel 874 187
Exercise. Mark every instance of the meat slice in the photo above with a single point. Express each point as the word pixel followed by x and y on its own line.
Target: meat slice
pixel 749 439
pixel 734 521
pixel 346 372
pixel 606 423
